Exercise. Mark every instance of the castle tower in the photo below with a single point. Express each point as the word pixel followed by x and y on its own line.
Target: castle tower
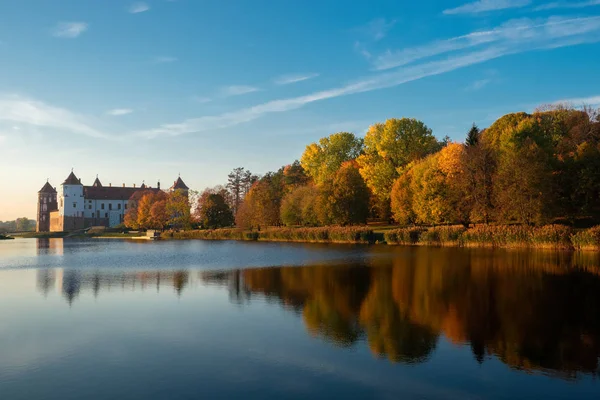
pixel 179 185
pixel 47 203
pixel 72 203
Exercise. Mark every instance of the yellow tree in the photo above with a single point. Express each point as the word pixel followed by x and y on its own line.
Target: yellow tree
pixel 322 160
pixel 389 147
pixel 178 210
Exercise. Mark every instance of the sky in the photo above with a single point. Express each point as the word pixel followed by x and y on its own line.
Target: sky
pixel 144 91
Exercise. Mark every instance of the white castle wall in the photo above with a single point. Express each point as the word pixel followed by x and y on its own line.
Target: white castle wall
pixel 71 201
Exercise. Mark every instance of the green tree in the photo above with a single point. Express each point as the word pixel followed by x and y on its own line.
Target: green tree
pixel 215 213
pixel 472 136
pixel 322 160
pixel 389 147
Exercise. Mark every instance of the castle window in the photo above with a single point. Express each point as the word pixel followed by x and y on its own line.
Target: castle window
pixel 74 205
pixel 119 206
pixel 105 215
pixel 102 206
pixel 126 206
pixel 110 206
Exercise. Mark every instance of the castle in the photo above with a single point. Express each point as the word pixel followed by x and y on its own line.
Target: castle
pixel 77 206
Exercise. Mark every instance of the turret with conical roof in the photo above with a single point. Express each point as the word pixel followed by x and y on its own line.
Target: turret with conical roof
pixel 46 204
pixel 179 185
pixel 97 182
pixel 71 200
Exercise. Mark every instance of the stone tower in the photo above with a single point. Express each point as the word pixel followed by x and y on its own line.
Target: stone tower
pixel 47 203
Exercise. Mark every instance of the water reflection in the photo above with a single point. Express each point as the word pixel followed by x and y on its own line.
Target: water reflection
pixel 71 282
pixel 538 312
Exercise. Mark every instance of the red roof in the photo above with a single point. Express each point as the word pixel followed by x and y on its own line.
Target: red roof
pixel 47 188
pixel 112 193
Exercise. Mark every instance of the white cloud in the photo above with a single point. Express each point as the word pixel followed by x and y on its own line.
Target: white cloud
pixel 572 4
pixel 237 90
pixel 516 32
pixel 138 7
pixel 2 139
pixel 478 85
pixel 288 79
pixel 555 33
pixel 20 110
pixel 487 5
pixel 70 29
pixel 593 101
pixel 119 111
pixel 165 59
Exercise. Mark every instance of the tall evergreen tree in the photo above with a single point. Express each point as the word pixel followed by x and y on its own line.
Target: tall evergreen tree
pixel 473 136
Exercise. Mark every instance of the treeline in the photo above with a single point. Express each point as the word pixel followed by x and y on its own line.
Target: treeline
pixel 524 169
pixel 19 225
pixel 531 169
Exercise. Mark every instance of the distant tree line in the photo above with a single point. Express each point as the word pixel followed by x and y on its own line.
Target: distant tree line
pixel 525 168
pixel 19 225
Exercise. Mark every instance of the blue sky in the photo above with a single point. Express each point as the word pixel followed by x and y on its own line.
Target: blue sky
pixel 138 91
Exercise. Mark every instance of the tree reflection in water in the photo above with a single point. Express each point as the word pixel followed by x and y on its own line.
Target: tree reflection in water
pixel 535 311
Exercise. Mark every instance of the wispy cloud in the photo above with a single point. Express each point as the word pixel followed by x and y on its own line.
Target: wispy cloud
pixel 69 30
pixel 138 7
pixel 165 59
pixel 201 99
pixel 564 4
pixel 20 110
pixel 517 32
pixel 288 79
pixel 487 5
pixel 576 31
pixel 362 50
pixel 237 90
pixel 378 28
pixel 580 101
pixel 119 111
pixel 478 85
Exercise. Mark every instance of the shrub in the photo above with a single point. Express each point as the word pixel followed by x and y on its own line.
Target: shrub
pixel 406 236
pixel 557 236
pixel 588 239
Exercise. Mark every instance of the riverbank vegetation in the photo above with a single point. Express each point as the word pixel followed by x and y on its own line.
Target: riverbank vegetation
pixel 527 180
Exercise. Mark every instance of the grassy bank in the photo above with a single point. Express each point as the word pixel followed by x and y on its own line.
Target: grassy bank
pixel 548 237
pixel 310 235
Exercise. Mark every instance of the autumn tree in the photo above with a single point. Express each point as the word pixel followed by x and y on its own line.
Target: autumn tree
pixel 178 210
pixel 262 204
pixel 402 199
pixel 348 196
pixel 215 212
pixel 158 214
pixel 322 160
pixel 389 147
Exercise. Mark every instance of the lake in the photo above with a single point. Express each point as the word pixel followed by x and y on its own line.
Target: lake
pixel 114 319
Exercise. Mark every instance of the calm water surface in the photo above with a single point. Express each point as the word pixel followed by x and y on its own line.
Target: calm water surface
pixel 111 319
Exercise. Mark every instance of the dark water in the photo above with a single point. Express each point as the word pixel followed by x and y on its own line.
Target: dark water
pixel 109 319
